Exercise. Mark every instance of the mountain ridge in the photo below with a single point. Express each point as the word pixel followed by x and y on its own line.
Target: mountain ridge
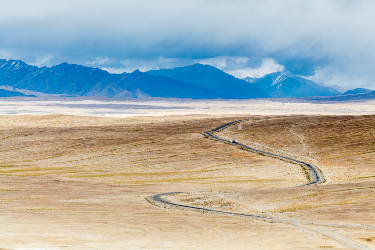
pixel 76 80
pixel 196 81
pixel 214 79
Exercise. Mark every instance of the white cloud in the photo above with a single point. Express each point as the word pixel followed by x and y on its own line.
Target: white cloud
pixel 6 54
pixel 268 66
pixel 238 67
pixel 33 58
pixel 98 60
pixel 129 65
pixel 116 70
pixel 151 64
pixel 334 76
pixel 43 60
pixel 221 61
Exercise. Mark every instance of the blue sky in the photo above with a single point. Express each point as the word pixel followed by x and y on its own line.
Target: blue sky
pixel 331 42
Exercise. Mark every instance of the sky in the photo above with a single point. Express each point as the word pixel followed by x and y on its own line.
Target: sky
pixel 327 41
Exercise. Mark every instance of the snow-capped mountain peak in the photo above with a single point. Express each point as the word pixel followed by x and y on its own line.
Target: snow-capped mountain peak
pixel 281 76
pixel 285 84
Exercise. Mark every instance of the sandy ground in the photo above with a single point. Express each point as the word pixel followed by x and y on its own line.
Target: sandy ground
pixel 80 182
pixel 122 108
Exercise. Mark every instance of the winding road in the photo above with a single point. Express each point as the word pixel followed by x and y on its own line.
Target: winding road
pixel 315 177
pixel 315 174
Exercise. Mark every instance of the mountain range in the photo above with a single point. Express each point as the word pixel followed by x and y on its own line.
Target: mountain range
pixel 195 81
pixel 75 80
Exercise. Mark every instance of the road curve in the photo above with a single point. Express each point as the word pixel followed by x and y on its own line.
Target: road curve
pixel 159 199
pixel 315 175
pixel 315 178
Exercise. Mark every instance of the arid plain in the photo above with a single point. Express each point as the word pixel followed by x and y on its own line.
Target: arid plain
pixel 82 182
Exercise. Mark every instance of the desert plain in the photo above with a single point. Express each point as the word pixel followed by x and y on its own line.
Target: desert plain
pixel 79 174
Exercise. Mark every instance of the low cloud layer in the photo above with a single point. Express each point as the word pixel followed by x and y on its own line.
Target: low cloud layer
pixel 328 41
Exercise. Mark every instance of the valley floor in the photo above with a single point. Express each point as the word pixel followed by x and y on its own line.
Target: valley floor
pixel 81 182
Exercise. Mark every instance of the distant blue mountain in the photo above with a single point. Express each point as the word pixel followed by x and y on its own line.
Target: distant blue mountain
pixel 227 86
pixel 75 80
pixel 196 81
pixel 13 71
pixel 281 84
pixel 357 91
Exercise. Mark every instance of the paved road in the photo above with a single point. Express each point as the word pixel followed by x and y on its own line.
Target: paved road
pixel 316 177
pixel 315 174
pixel 159 198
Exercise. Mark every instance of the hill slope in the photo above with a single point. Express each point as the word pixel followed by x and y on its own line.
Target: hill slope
pixel 357 91
pixel 213 79
pixel 7 93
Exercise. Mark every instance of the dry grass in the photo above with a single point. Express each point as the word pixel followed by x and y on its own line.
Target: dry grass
pixel 82 181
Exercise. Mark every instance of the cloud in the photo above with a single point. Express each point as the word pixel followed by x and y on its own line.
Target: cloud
pixel 305 37
pixel 6 54
pixel 268 66
pixel 333 75
pixel 129 65
pixel 43 60
pixel 223 61
pixel 98 61
pixel 242 67
pixel 32 57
